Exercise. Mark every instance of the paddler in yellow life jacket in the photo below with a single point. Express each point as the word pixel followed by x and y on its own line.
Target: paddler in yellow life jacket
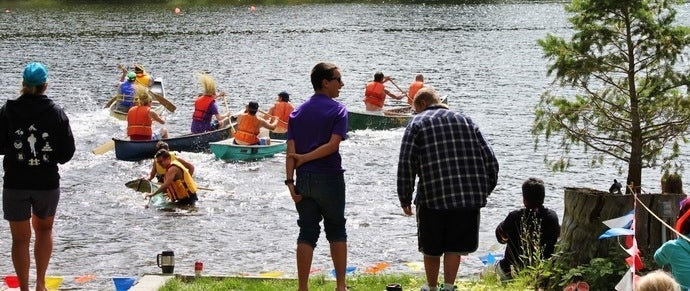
pixel 178 184
pixel 158 171
pixel 249 125
pixel 375 94
pixel 143 78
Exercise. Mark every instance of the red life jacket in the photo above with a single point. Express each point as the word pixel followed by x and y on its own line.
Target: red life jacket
pixel 139 122
pixel 201 106
pixel 375 93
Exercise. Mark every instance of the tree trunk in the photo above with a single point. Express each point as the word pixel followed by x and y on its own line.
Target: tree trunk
pixel 586 209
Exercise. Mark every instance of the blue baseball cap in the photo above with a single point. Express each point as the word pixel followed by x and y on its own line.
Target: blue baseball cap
pixel 35 74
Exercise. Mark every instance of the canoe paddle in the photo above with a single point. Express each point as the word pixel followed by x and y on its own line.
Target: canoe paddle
pixel 165 102
pixel 227 109
pixel 396 86
pixel 264 113
pixel 122 78
pixel 148 203
pixel 112 100
pixel 198 187
pixel 104 148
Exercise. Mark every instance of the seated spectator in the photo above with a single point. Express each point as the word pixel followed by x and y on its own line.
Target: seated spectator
pixel 676 253
pixel 543 226
pixel 657 281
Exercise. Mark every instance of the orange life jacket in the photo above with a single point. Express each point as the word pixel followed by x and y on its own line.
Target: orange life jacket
pixel 248 129
pixel 201 105
pixel 138 121
pixel 414 87
pixel 282 110
pixel 375 93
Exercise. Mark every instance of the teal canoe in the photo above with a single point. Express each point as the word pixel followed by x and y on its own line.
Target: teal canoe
pixel 158 201
pixel 227 150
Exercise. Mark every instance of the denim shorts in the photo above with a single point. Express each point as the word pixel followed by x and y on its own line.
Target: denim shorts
pixel 323 198
pixel 18 205
pixel 447 231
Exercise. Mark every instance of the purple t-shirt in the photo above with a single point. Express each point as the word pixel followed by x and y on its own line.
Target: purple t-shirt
pixel 205 125
pixel 312 124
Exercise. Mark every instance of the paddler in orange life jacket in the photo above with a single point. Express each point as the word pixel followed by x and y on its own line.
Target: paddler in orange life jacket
pixel 140 118
pixel 375 94
pixel 249 125
pixel 178 184
pixel 414 87
pixel 206 107
pixel 281 110
pixel 158 171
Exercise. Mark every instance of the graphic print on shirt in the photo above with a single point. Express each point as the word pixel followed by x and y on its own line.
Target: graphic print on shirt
pixel 27 143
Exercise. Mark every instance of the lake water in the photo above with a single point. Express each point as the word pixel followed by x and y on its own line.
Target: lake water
pixel 483 56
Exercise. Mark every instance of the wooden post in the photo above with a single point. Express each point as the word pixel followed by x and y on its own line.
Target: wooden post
pixel 586 209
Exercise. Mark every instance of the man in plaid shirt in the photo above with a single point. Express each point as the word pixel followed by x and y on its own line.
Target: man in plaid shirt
pixel 457 171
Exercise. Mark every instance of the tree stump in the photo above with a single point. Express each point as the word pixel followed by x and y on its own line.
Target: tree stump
pixel 586 209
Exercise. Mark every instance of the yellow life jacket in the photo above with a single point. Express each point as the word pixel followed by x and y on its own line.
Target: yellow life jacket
pixel 160 170
pixel 143 79
pixel 181 188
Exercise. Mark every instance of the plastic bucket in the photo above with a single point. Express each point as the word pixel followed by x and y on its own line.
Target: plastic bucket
pixel 12 281
pixel 53 283
pixel 123 283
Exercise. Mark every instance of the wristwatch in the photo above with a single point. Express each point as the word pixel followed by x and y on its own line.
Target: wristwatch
pixel 289 181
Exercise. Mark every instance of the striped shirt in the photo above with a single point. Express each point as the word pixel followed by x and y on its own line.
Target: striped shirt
pixel 455 164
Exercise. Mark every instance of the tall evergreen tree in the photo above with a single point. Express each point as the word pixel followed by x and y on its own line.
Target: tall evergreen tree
pixel 630 102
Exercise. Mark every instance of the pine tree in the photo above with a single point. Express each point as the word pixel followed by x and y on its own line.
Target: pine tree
pixel 630 99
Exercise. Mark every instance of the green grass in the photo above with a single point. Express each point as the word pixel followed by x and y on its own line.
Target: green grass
pixel 322 283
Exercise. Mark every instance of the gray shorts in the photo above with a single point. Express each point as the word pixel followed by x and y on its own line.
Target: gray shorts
pixel 18 205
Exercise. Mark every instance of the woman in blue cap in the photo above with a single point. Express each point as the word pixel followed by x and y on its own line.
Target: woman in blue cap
pixel 35 136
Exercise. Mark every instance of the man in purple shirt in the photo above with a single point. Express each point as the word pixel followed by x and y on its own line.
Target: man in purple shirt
pixel 314 133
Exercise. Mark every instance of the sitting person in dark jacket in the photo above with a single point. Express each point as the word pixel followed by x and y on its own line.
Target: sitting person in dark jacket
pixel 530 232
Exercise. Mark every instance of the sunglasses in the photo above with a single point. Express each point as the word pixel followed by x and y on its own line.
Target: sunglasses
pixel 340 80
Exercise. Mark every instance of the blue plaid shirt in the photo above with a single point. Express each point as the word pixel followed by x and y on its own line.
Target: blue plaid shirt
pixel 455 164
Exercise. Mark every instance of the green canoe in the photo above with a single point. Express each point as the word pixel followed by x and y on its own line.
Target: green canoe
pixel 392 118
